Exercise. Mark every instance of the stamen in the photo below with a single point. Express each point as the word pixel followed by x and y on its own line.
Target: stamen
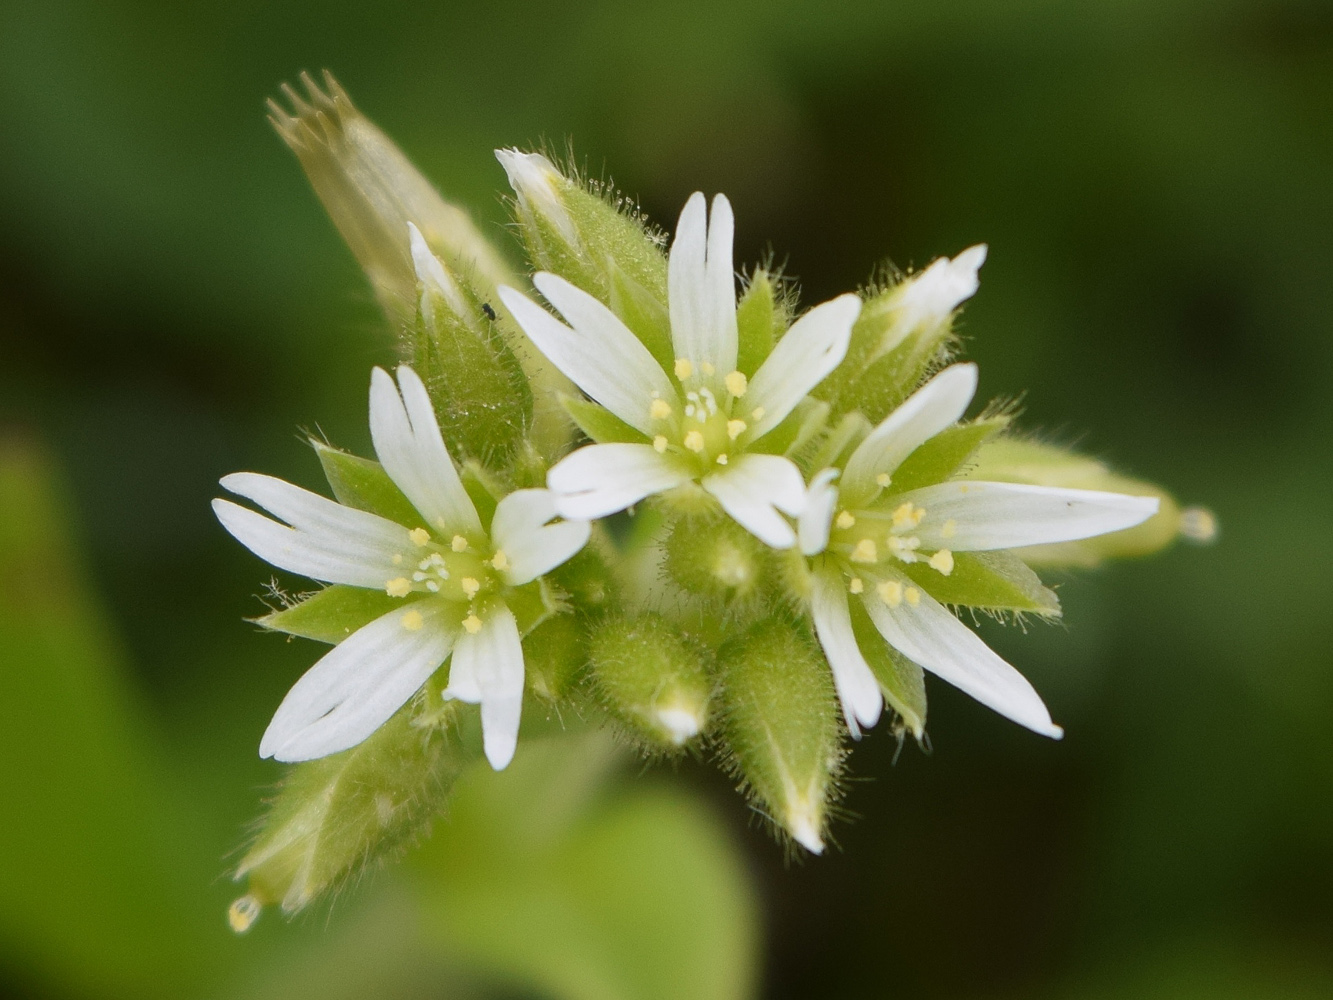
pixel 419 536
pixel 904 548
pixel 472 623
pixel 856 586
pixel 950 526
pixel 890 592
pixel 735 428
pixel 459 544
pixel 736 383
pixel 470 585
pixel 883 479
pixel 845 519
pixel 660 409
pixel 412 620
pixel 684 368
pixel 397 558
pixel 913 596
pixel 500 561
pixel 942 561
pixel 707 368
pixel 694 441
pixel 399 586
pixel 660 444
pixel 722 459
pixel 757 413
pixel 865 551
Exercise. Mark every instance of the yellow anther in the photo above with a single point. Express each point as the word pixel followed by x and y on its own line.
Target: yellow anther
pixel 707 368
pixel 660 444
pixel 907 516
pixel 470 585
pixel 399 586
pixel 684 368
pixel 845 519
pixel 412 621
pixel 397 558
pixel 660 409
pixel 500 561
pixel 942 561
pixel 736 383
pixel 419 536
pixel 913 596
pixel 735 428
pixel 890 592
pixel 757 413
pixel 694 441
pixel 950 526
pixel 722 459
pixel 883 480
pixel 243 912
pixel 473 624
pixel 856 586
pixel 904 548
pixel 459 544
pixel 865 551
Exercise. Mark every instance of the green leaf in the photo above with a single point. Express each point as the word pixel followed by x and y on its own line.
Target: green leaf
pixel 945 454
pixel 363 484
pixel 332 614
pixel 599 423
pixel 760 320
pixel 644 313
pixel 901 680
pixel 549 881
pixel 993 581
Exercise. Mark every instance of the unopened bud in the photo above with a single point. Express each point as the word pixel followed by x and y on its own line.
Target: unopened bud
pixel 780 720
pixel 762 317
pixel 651 679
pixel 554 658
pixel 714 555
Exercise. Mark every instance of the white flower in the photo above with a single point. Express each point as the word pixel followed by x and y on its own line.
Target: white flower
pixel 861 538
pixel 451 573
pixel 705 419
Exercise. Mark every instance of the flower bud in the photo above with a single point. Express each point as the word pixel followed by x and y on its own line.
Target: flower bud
pixel 762 316
pixel 334 817
pixel 780 721
pixel 1010 460
pixel 582 234
pixel 903 331
pixel 651 679
pixel 554 657
pixel 474 379
pixel 716 557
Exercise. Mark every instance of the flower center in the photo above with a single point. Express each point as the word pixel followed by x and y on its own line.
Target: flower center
pixel 870 537
pixel 707 423
pixel 455 569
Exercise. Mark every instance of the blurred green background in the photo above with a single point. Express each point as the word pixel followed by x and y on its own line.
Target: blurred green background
pixel 1155 180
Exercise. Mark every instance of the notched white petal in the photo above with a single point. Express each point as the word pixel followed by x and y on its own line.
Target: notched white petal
pixel 753 489
pixel 938 404
pixel 971 516
pixel 358 685
pixel 858 691
pixel 488 667
pixel 531 545
pixel 813 347
pixel 821 498
pixel 924 631
pixel 932 295
pixel 701 288
pixel 601 479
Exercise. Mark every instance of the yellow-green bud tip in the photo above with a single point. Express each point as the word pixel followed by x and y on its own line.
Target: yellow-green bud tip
pixel 1198 524
pixel 243 912
pixel 681 724
pixel 803 826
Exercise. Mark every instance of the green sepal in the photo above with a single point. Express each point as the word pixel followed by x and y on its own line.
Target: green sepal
pixel 555 658
pixel 615 232
pixel 363 484
pixel 533 603
pixel 797 429
pixel 484 488
pixel 599 423
pixel 780 725
pixel 760 321
pixel 901 681
pixel 585 578
pixel 992 581
pixel 945 454
pixel 332 614
pixel 644 313
pixel 333 817
pixel 650 678
pixel 840 441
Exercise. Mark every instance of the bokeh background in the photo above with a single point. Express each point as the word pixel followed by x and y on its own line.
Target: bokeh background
pixel 1155 180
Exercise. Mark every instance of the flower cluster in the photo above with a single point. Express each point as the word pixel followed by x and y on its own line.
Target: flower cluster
pixel 706 519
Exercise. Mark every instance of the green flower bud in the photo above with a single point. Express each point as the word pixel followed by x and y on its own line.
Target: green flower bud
pixel 1011 460
pixel 480 395
pixel 762 316
pixel 334 817
pixel 716 557
pixel 780 722
pixel 651 679
pixel 555 656
pixel 586 235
